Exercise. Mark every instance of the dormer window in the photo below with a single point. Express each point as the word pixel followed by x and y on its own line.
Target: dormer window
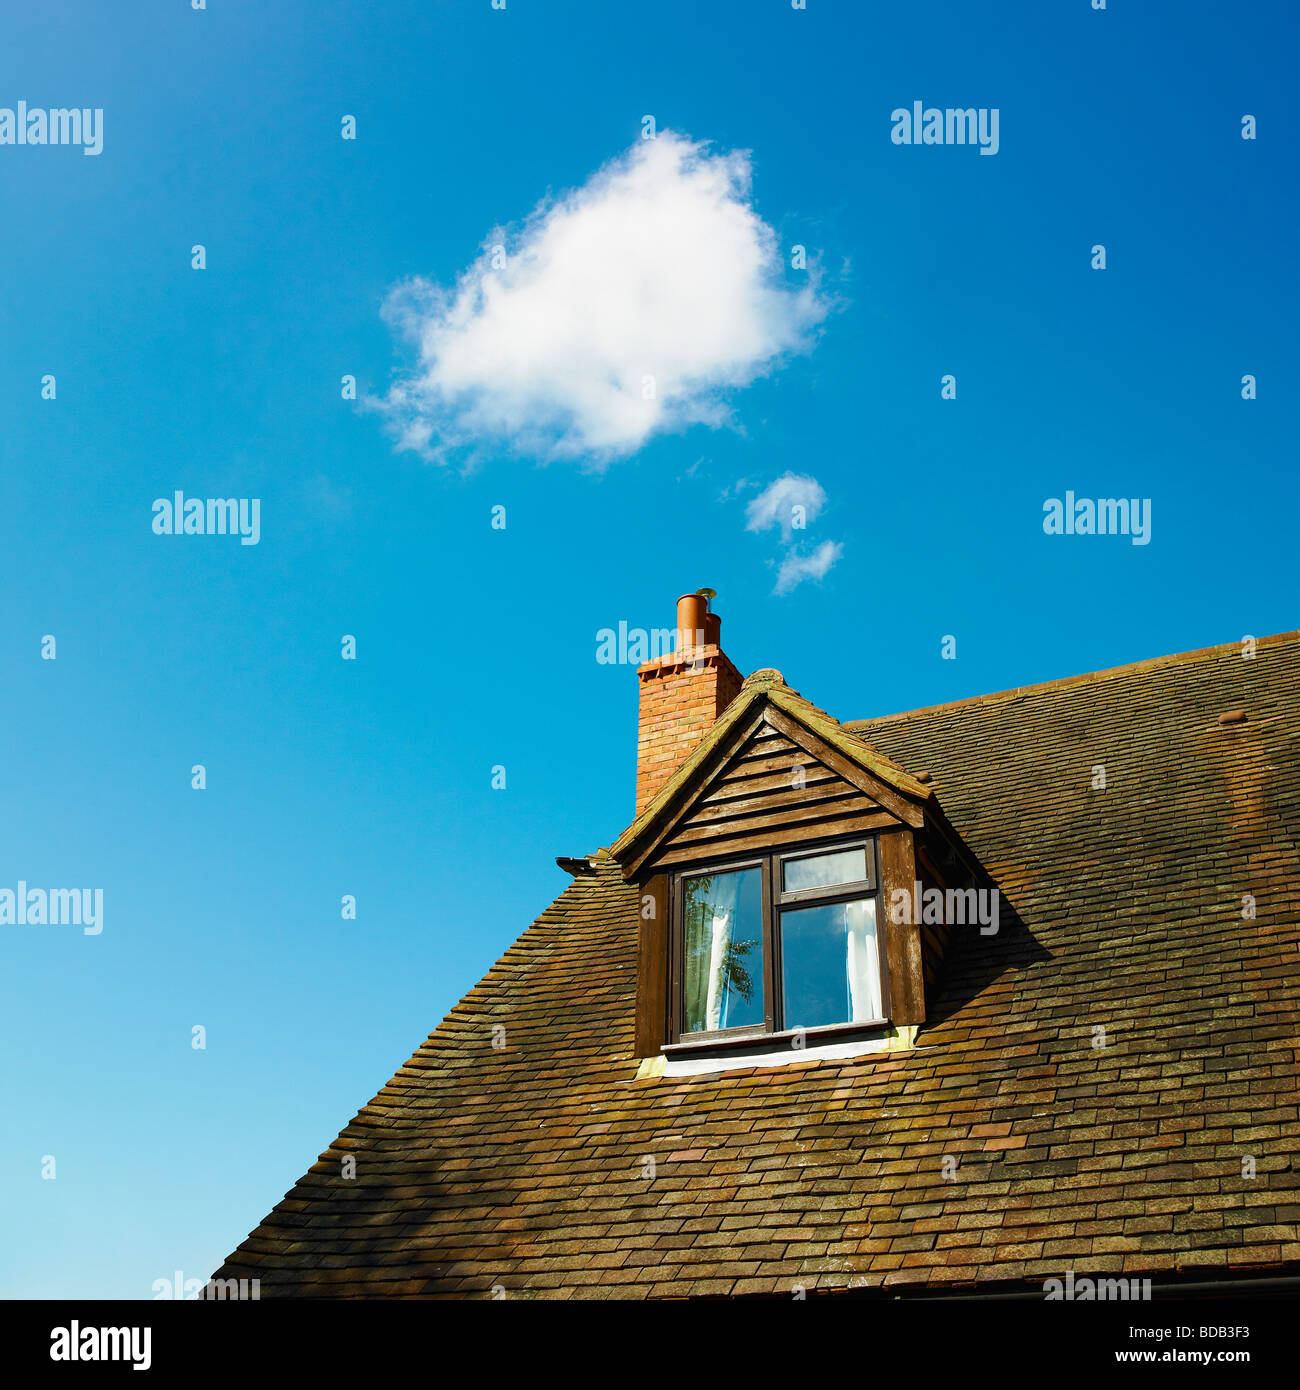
pixel 767 844
pixel 779 942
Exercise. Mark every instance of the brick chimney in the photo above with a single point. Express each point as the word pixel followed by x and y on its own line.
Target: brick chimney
pixel 682 693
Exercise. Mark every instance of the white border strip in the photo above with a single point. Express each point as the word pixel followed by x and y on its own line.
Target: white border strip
pixel 823 1052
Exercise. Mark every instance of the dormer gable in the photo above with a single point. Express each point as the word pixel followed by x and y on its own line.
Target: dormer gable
pixel 773 770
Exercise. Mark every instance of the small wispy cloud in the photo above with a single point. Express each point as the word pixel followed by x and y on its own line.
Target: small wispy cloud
pixel 790 502
pixel 795 568
pixel 630 307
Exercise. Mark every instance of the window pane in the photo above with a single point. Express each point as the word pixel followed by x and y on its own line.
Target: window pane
pixel 829 966
pixel 824 870
pixel 723 975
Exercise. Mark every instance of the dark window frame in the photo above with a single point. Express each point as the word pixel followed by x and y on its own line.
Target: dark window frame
pixel 775 902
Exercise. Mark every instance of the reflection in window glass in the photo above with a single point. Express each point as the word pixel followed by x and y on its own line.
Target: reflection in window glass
pixel 824 870
pixel 829 965
pixel 723 975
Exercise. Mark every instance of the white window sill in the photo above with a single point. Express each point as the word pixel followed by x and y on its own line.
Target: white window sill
pixel 895 1040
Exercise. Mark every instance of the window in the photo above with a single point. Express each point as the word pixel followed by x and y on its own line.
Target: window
pixel 772 943
pixel 722 915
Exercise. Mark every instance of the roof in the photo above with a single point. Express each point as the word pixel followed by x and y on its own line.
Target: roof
pixel 524 1167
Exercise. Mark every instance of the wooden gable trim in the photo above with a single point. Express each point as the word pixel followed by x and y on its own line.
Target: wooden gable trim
pixel 693 852
pixel 751 804
pixel 638 846
pixel 866 782
pixel 670 813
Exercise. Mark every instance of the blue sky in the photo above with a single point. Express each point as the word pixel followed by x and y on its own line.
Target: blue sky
pixel 477 647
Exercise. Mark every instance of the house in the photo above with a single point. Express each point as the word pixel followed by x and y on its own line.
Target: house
pixel 969 998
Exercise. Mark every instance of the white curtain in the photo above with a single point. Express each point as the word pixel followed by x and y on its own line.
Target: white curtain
pixel 862 963
pixel 710 922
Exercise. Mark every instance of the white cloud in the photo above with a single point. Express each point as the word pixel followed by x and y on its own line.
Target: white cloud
pixel 658 267
pixel 775 505
pixel 796 568
pixel 791 502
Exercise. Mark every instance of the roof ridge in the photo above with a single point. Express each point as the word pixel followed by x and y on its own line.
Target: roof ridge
pixel 1152 663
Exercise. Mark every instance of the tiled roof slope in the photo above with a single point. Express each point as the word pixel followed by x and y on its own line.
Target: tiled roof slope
pixel 524 1167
